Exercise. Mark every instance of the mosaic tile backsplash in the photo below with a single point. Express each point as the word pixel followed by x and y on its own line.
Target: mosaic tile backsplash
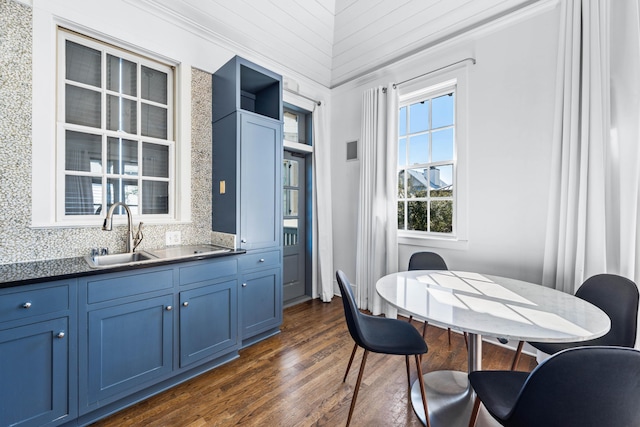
pixel 18 241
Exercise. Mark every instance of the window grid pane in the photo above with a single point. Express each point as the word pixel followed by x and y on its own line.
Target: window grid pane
pixel 101 166
pixel 426 164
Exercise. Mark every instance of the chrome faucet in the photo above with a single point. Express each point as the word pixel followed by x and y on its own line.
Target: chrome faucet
pixel 132 240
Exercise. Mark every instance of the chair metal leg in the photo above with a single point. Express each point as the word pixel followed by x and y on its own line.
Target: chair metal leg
pixel 353 353
pixel 449 334
pixel 466 340
pixel 424 330
pixel 422 390
pixel 474 412
pixel 355 391
pixel 410 318
pixel 516 357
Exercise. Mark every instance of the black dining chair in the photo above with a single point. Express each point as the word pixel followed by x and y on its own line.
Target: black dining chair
pixel 429 261
pixel 615 295
pixel 380 335
pixel 582 386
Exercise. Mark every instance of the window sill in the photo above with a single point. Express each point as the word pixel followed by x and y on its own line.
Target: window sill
pixel 97 222
pixel 432 241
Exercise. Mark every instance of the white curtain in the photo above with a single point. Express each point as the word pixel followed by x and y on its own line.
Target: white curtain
pixel 577 218
pixel 377 245
pixel 594 205
pixel 322 211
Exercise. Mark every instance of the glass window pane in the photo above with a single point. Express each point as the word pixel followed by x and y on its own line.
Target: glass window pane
pixel 290 202
pixel 441 216
pixel 417 216
pixel 155 160
pixel 154 85
pixel 82 64
pixel 401 216
pixel 402 152
pixel 442 145
pixel 402 121
pixel 82 195
pixel 122 114
pixel 290 126
pixel 122 156
pixel 417 182
pixel 155 197
pixel 121 75
pixel 442 114
pixel 154 121
pixel 290 173
pixel 83 152
pixel 419 149
pixel 441 181
pixel 401 193
pixel 290 232
pixel 419 117
pixel 82 106
pixel 123 190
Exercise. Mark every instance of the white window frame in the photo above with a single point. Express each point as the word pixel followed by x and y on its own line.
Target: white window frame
pixel 45 128
pixel 62 127
pixel 420 89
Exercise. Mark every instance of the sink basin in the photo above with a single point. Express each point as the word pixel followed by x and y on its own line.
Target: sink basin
pixel 188 251
pixel 101 261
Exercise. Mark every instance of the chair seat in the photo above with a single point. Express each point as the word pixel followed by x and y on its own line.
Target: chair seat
pixel 390 336
pixel 498 389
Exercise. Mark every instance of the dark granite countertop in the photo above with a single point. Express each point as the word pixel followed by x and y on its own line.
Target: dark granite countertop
pixel 25 273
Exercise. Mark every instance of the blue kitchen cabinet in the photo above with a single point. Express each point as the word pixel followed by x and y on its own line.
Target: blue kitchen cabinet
pixel 247 187
pixel 260 295
pixel 126 344
pixel 208 321
pixel 208 310
pixel 37 354
pixel 247 159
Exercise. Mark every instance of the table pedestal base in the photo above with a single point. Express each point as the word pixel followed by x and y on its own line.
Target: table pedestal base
pixel 449 400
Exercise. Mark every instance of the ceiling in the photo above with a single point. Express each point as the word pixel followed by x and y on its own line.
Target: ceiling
pixel 333 41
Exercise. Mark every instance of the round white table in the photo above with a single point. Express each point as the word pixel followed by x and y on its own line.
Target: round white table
pixel 480 304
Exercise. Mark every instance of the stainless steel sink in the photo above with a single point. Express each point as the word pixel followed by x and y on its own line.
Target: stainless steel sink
pixel 128 258
pixel 188 251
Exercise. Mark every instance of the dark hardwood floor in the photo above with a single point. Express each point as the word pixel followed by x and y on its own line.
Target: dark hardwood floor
pixel 295 379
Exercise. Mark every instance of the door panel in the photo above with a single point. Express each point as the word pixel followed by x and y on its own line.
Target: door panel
pixel 293 211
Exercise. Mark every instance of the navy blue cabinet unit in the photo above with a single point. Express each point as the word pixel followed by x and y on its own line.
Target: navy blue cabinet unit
pixel 247 186
pixel 38 354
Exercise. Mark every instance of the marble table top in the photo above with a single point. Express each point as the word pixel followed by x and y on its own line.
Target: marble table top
pixel 491 305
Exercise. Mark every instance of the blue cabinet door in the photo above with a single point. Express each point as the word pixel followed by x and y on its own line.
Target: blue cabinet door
pixel 208 322
pixel 130 346
pixel 261 301
pixel 260 182
pixel 34 374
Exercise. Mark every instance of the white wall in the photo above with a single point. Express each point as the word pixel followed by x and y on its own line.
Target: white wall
pixel 510 111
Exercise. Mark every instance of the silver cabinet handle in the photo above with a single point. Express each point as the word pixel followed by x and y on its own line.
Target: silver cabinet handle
pixel 244 285
pixel 262 260
pixel 26 305
pixel 60 335
pixel 169 308
pixel 186 304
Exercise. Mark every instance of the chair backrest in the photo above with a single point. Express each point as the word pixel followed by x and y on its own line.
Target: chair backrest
pixel 427 261
pixel 581 386
pixel 351 312
pixel 618 297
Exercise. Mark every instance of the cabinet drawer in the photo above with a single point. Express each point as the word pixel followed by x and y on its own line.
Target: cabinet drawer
pixel 260 260
pixel 105 288
pixel 23 304
pixel 208 270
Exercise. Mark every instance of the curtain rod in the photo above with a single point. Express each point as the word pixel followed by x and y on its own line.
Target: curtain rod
pixel 473 60
pixel 304 96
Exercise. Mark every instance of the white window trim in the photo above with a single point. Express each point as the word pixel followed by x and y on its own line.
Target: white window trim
pixel 44 126
pixel 427 87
